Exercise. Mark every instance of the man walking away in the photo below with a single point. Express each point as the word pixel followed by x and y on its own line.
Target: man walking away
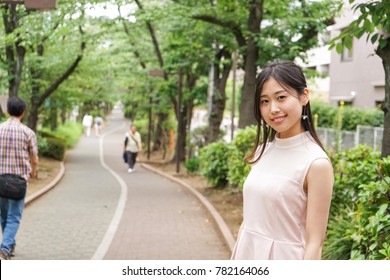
pixel 19 156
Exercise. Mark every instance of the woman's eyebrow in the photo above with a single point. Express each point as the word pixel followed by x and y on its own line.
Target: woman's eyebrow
pixel 276 92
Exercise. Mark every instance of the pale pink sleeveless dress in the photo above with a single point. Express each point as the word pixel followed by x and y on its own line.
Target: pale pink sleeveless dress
pixel 274 211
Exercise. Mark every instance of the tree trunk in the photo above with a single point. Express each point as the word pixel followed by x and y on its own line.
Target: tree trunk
pixel 384 53
pixel 32 119
pixel 36 75
pixel 251 57
pixel 162 117
pixel 38 99
pixel 1 113
pixel 53 115
pixel 63 115
pixel 14 53
pixel 218 99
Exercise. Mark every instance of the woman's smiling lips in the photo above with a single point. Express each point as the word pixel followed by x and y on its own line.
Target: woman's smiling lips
pixel 278 119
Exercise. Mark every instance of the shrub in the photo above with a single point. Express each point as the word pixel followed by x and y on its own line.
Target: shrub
pixel 52 147
pixel 53 144
pixel 43 146
pixel 70 132
pixel 245 139
pixel 214 163
pixel 359 222
pixel 240 146
pixel 352 116
pixel 192 165
pixel 237 170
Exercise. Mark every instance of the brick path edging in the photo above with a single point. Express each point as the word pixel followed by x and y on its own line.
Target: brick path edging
pixel 48 187
pixel 224 229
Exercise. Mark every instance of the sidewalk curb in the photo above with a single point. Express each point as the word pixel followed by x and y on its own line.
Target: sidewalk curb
pixel 224 229
pixel 48 187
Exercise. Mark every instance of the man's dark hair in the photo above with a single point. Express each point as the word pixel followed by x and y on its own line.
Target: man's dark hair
pixel 16 106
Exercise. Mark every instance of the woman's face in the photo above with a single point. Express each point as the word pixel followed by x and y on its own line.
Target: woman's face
pixel 282 109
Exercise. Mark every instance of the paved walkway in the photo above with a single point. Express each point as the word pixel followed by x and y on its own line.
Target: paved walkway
pixel 99 211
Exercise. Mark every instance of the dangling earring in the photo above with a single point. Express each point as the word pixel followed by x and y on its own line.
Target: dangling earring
pixel 304 114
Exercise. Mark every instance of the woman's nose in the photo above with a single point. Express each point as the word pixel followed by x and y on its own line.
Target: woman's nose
pixel 274 107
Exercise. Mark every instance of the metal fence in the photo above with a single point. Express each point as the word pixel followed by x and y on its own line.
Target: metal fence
pixel 365 135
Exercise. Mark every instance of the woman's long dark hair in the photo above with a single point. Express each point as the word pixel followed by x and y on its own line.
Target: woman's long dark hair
pixel 288 75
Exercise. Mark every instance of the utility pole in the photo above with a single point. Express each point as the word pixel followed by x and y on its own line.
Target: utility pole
pixel 233 94
pixel 150 124
pixel 179 121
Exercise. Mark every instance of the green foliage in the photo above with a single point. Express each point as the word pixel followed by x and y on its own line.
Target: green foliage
pixel 245 139
pixel 240 146
pixel 237 170
pixel 214 160
pixel 70 132
pixel 328 115
pixel 373 20
pixel 359 222
pixel 192 165
pixel 51 146
pixel 357 116
pixel 43 146
pixel 223 163
pixel 56 148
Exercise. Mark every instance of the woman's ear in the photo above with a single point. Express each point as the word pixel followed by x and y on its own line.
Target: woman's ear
pixel 305 97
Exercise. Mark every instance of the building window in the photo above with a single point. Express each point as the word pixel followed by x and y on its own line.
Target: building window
pixel 324 38
pixel 345 103
pixel 346 54
pixel 379 104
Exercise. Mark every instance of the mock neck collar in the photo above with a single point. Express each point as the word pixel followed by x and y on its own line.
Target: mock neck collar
pixel 286 143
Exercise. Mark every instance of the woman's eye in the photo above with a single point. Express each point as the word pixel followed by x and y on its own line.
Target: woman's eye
pixel 281 97
pixel 263 101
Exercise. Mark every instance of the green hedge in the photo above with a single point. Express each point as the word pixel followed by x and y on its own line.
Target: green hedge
pixel 214 163
pixel 70 132
pixel 222 164
pixel 53 144
pixel 327 116
pixel 192 165
pixel 359 222
pixel 51 147
pixel 240 147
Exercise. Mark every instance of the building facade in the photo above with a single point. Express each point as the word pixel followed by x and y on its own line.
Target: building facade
pixel 356 75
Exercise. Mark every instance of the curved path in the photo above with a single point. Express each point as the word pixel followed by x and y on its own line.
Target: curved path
pixel 99 211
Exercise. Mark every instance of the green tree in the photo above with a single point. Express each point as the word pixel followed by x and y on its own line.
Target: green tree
pixel 374 21
pixel 264 31
pixel 29 37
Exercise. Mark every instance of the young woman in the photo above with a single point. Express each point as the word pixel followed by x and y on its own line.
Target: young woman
pixel 288 191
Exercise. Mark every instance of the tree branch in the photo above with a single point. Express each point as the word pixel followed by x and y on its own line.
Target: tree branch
pixel 66 75
pixel 127 31
pixel 232 26
pixel 155 42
